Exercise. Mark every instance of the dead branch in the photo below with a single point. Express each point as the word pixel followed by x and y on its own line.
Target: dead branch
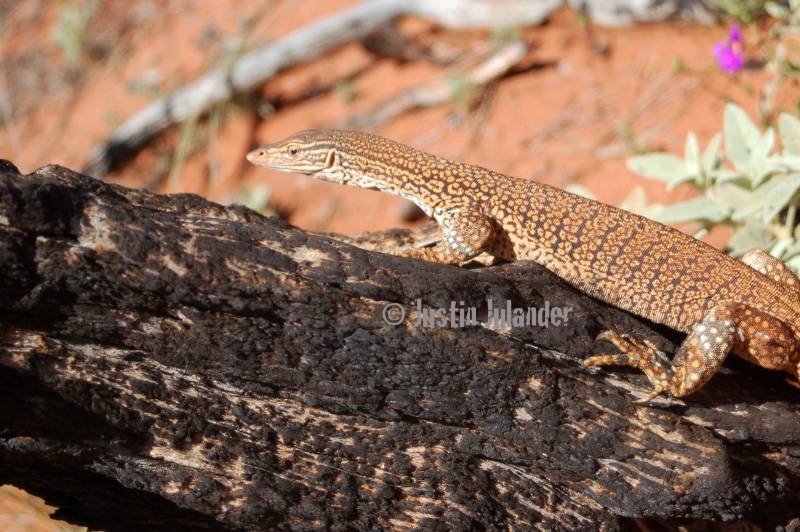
pixel 616 13
pixel 206 363
pixel 440 90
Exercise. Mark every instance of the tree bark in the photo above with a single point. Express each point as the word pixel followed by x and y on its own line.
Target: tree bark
pixel 165 360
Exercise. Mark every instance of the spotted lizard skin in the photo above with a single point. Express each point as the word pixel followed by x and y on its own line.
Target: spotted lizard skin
pixel 750 307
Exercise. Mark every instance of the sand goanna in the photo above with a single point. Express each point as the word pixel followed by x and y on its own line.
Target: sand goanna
pixel 749 307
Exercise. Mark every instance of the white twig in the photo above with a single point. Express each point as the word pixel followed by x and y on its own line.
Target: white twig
pixel 440 90
pixel 255 68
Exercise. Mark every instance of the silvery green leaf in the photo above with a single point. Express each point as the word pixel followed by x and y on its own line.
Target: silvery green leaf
pixel 680 180
pixel 723 175
pixel 750 236
pixel 663 166
pixel 691 156
pixel 771 198
pixel 636 201
pixel 711 155
pixel 255 198
pixel 792 250
pixel 765 144
pixel 580 190
pixel 776 10
pixel 789 162
pixel 730 195
pixel 780 247
pixel 652 211
pixel 794 264
pixel 741 134
pixel 760 166
pixel 697 209
pixel 765 168
pixel 789 126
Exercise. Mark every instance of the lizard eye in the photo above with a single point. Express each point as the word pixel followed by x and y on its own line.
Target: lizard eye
pixel 293 151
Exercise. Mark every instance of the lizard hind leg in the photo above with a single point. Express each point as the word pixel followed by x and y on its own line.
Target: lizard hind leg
pixel 753 334
pixel 696 361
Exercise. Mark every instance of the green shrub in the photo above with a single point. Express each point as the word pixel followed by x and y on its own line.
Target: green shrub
pixel 747 183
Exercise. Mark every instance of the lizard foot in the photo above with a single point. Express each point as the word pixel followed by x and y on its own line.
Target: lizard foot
pixel 638 353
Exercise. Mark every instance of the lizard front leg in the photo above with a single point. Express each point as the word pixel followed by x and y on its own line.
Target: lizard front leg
pixel 752 334
pixel 775 269
pixel 465 234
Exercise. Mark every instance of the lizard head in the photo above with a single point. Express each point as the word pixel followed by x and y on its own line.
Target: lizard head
pixel 312 152
pixel 351 158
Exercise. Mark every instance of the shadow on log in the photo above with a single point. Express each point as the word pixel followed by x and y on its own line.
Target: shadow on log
pixel 169 359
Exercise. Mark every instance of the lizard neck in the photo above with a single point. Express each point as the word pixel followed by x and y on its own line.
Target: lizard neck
pixel 434 184
pixel 410 187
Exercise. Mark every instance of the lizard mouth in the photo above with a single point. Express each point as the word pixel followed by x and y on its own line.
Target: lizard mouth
pixel 262 157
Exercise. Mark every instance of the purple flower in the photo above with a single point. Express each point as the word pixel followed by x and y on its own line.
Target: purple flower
pixel 735 34
pixel 730 53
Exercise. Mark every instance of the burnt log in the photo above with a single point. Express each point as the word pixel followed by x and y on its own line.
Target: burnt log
pixel 170 362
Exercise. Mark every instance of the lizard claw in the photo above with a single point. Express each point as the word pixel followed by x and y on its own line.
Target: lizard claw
pixel 647 399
